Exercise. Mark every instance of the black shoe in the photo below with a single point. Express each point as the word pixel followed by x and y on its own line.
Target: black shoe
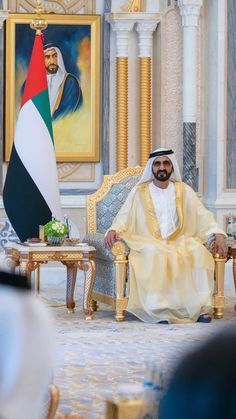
pixel 163 322
pixel 204 318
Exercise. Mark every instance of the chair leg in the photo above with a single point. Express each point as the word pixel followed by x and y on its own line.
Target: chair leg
pixel 218 301
pixel 120 262
pixel 121 304
pixel 94 305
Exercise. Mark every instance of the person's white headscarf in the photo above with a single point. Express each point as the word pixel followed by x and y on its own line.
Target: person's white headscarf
pixel 148 175
pixel 55 80
pixel 26 354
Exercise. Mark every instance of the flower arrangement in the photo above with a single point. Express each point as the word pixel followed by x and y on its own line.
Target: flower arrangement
pixel 55 228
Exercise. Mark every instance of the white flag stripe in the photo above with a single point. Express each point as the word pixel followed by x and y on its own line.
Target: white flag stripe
pixel 35 149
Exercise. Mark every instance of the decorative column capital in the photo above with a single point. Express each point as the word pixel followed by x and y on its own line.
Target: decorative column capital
pixel 121 27
pixel 3 17
pixel 190 11
pixel 145 30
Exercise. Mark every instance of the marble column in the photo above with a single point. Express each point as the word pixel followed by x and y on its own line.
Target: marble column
pixel 3 16
pixel 121 28
pixel 145 32
pixel 190 11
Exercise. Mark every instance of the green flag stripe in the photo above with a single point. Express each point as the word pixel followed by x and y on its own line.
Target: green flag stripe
pixel 41 101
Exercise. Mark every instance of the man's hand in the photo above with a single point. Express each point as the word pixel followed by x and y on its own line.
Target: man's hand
pixel 111 237
pixel 219 245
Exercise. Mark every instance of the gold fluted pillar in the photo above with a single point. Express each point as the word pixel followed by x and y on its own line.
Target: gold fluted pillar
pixel 122 24
pixel 122 112
pixel 145 108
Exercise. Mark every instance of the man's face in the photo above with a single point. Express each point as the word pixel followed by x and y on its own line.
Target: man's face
pixel 50 59
pixel 162 168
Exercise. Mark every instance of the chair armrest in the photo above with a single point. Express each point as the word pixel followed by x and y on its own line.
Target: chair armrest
pixel 97 240
pixel 210 243
pixel 120 249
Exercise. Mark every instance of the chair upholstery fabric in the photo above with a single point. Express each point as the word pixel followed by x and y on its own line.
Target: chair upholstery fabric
pixel 112 202
pixel 7 233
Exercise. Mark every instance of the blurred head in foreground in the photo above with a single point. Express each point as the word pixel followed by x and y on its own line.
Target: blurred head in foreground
pixel 26 349
pixel 204 383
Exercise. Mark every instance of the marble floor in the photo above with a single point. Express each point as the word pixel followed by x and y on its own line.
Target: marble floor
pixel 93 357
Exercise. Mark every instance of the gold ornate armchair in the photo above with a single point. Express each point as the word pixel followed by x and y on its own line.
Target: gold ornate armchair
pixel 111 267
pixel 111 285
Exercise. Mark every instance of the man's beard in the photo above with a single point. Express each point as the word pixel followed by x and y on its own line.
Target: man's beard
pixel 162 175
pixel 52 68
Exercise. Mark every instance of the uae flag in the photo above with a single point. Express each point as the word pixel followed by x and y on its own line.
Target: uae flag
pixel 31 190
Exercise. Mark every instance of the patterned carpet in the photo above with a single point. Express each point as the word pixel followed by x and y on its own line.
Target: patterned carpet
pixel 93 357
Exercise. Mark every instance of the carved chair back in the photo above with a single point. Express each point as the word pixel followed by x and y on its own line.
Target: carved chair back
pixel 103 205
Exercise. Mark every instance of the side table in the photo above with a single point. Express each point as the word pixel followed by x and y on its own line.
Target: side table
pixel 29 258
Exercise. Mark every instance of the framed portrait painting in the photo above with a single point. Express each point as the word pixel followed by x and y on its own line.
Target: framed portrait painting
pixel 72 61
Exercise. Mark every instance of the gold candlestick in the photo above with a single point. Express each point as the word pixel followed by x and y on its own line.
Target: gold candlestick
pixel 39 24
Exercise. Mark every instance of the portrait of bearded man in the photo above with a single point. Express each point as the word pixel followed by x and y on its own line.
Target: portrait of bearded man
pixel 64 89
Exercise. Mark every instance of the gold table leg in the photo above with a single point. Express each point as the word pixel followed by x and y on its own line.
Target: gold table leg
pixel 70 286
pixel 89 269
pixel 26 268
pixel 37 281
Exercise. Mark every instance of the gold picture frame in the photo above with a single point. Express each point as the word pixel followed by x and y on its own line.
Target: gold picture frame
pixel 77 132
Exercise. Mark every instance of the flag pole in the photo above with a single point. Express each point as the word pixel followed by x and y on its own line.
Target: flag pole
pixel 39 24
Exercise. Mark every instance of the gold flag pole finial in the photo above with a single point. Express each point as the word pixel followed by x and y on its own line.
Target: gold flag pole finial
pixel 39 24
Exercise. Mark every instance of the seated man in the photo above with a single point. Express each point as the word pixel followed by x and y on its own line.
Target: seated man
pixel 165 225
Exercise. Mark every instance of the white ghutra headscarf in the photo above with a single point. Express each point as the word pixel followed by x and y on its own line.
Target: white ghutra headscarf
pixel 55 80
pixel 148 175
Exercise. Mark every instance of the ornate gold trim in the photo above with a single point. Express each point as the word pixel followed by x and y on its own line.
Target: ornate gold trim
pixel 108 181
pixel 151 214
pixel 134 6
pixel 150 211
pixel 122 112
pixel 118 250
pixel 145 108
pixel 179 207
pixel 55 6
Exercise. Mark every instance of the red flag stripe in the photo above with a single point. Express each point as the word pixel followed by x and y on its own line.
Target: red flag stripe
pixel 36 80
